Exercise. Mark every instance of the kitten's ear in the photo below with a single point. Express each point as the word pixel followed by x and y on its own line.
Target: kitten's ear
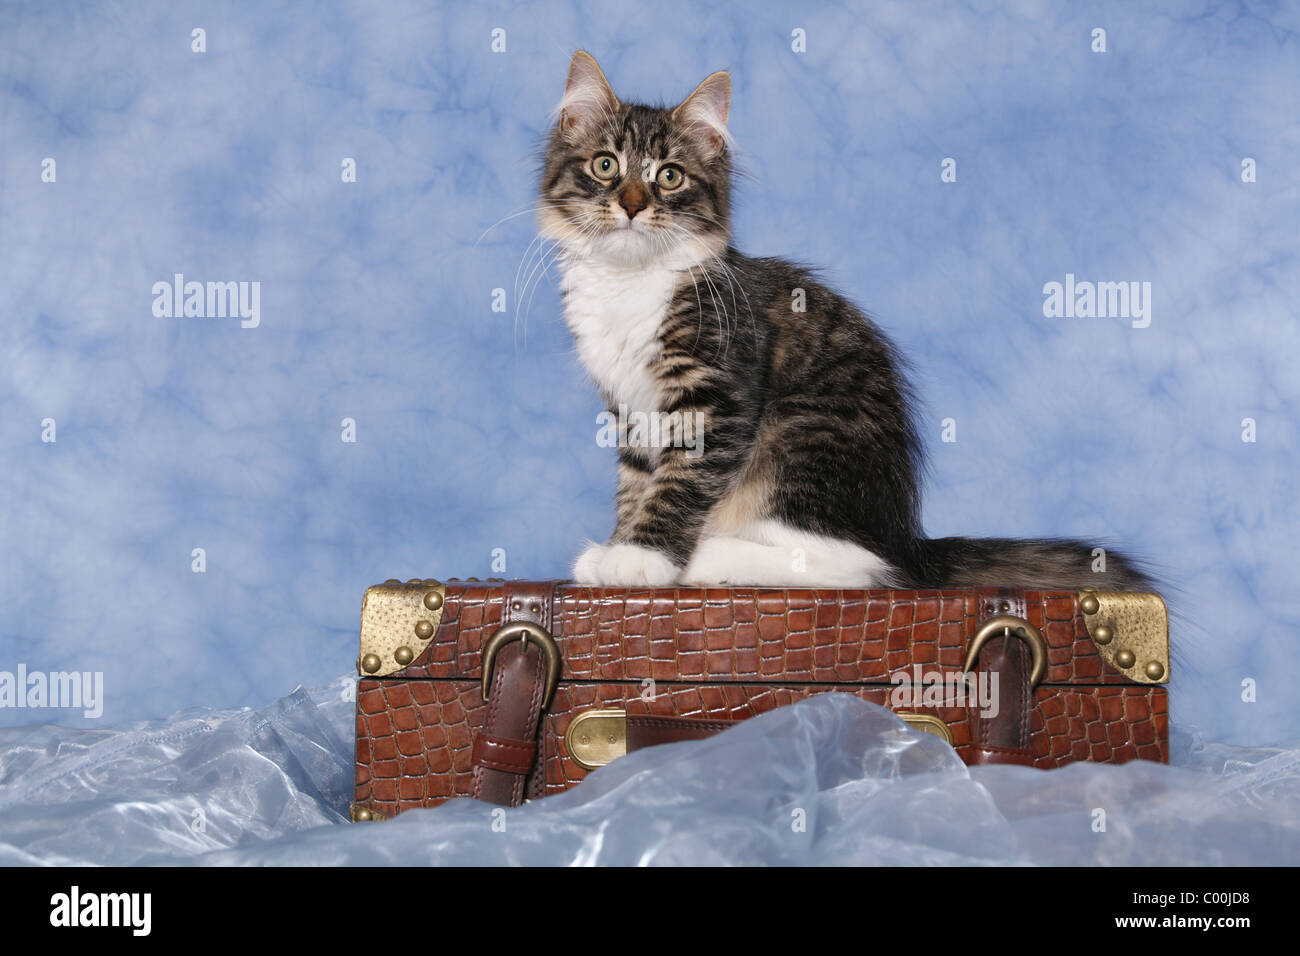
pixel 704 112
pixel 587 95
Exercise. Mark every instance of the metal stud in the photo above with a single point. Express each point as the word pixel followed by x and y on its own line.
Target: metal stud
pixel 423 630
pixel 516 606
pixel 403 655
pixel 370 663
pixel 1125 659
pixel 392 581
pixel 535 608
pixel 1090 604
pixel 1103 634
pixel 1155 670
pixel 415 581
pixel 431 582
pixel 433 600
pixel 471 579
pixel 364 816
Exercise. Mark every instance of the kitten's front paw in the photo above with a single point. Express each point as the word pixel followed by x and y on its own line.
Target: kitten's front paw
pixel 712 565
pixel 625 564
pixel 586 570
pixel 631 564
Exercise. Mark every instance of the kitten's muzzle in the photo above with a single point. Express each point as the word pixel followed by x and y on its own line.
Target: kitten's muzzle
pixel 633 199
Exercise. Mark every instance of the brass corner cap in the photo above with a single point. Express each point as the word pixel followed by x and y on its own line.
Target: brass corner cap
pixel 1130 630
pixel 398 623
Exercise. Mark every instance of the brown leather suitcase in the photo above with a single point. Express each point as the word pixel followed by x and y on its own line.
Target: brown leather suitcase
pixel 511 690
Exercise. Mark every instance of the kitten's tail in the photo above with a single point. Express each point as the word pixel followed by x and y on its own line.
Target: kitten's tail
pixel 1049 563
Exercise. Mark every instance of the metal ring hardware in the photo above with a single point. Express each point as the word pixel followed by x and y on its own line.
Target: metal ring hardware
pixel 595 737
pixel 523 631
pixel 1010 627
pixel 927 723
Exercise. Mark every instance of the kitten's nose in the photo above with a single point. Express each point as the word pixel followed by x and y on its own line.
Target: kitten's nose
pixel 633 199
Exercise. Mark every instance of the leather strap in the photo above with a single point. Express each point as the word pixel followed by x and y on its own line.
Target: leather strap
pixel 647 731
pixel 505 750
pixel 510 756
pixel 1004 738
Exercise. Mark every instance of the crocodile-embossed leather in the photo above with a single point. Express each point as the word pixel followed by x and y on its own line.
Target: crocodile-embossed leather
pixel 724 655
pixel 758 634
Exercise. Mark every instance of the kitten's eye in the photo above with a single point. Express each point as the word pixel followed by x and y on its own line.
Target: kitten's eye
pixel 604 167
pixel 669 177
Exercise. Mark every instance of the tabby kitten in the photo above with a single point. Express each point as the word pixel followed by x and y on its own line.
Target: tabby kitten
pixel 809 472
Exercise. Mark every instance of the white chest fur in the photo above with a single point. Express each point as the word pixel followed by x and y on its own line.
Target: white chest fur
pixel 615 313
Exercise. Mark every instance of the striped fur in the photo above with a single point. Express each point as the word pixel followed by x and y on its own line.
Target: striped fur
pixel 811 463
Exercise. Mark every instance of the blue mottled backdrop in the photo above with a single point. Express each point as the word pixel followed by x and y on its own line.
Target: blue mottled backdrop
pixel 127 157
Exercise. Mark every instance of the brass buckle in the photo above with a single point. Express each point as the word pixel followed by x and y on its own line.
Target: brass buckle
pixel 1011 627
pixel 523 630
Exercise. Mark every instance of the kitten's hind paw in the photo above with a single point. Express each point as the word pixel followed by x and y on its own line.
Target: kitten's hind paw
pixel 625 564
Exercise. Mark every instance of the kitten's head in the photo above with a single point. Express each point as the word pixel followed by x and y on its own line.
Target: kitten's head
pixel 637 184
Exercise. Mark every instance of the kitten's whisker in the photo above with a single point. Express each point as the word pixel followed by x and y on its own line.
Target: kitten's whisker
pixel 725 327
pixel 528 253
pixel 729 274
pixel 733 280
pixel 719 311
pixel 535 207
pixel 572 221
pixel 533 279
pixel 700 216
pixel 690 271
pixel 575 221
pixel 528 310
pixel 541 268
pixel 504 219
